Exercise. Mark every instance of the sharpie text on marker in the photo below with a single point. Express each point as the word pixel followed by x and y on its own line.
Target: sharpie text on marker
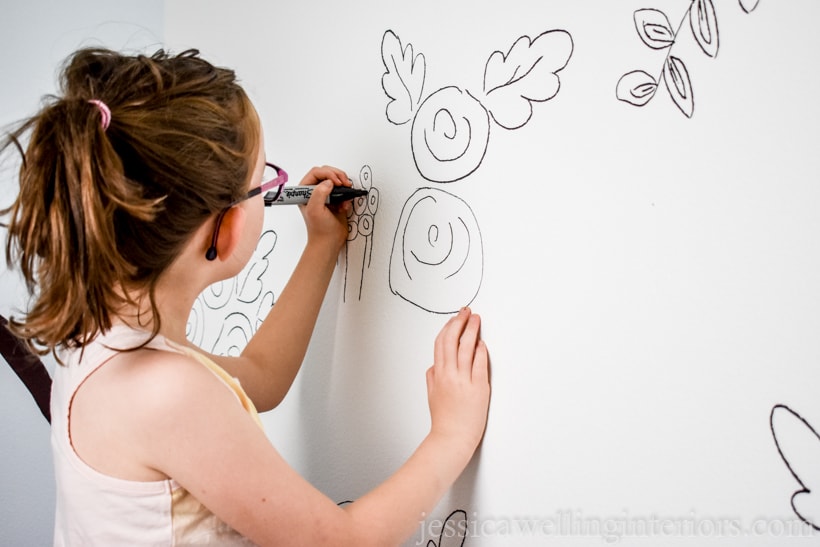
pixel 295 195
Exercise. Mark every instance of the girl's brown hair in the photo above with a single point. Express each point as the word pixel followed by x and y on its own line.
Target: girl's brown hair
pixel 103 212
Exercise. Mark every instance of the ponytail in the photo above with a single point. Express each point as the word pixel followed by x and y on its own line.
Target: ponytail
pixel 103 167
pixel 71 185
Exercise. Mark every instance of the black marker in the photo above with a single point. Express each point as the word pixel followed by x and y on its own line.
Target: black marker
pixel 296 195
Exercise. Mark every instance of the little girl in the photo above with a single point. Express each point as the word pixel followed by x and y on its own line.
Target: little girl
pixel 140 187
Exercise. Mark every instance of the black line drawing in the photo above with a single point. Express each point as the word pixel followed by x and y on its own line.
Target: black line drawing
pixel 799 445
pixel 453 531
pixel 451 126
pixel 361 221
pixel 235 306
pixel 638 87
pixel 749 5
pixel 437 260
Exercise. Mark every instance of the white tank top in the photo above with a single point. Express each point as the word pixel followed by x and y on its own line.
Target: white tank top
pixel 97 509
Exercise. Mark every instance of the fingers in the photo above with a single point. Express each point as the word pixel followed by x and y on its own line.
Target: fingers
pixel 457 342
pixel 458 382
pixel 481 364
pixel 324 179
pixel 321 192
pixel 467 342
pixel 319 197
pixel 446 346
pixel 326 172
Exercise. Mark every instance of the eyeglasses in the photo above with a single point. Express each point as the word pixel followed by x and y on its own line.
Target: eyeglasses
pixel 274 185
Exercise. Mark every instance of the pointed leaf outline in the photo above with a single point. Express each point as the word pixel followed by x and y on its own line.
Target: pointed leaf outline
pixel 677 81
pixel 636 88
pixel 749 5
pixel 654 28
pixel 454 531
pixel 703 21
pixel 527 73
pixel 798 444
pixel 249 284
pixel 403 81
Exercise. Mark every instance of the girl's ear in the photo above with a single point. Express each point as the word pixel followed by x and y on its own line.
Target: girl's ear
pixel 230 232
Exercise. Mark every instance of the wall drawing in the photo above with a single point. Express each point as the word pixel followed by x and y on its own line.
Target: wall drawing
pixel 454 530
pixel 799 445
pixel 638 87
pixel 437 244
pixel 436 262
pixel 361 221
pixel 229 312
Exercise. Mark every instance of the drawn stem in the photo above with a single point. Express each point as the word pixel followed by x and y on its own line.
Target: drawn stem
pixel 677 32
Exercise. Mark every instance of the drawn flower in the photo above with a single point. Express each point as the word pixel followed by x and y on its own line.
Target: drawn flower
pixel 449 136
pixel 451 127
pixel 437 261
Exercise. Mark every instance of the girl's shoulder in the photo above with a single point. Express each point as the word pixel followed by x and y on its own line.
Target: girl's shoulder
pixel 137 401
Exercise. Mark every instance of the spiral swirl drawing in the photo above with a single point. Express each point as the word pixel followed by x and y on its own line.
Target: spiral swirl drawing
pixel 437 260
pixel 449 135
pixel 227 314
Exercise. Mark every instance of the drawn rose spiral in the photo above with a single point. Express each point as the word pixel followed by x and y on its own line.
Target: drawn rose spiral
pixel 437 261
pixel 449 135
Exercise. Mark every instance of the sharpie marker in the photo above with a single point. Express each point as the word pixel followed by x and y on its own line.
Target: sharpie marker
pixel 295 195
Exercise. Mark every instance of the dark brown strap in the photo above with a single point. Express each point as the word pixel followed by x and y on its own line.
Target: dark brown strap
pixel 27 366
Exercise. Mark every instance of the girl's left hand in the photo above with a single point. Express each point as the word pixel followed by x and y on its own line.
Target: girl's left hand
pixel 326 223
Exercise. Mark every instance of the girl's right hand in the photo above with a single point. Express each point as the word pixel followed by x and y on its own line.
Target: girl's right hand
pixel 326 222
pixel 458 387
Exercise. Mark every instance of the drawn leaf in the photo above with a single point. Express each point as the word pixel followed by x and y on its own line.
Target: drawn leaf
pixel 799 446
pixel 454 531
pixel 654 29
pixel 249 285
pixel 234 333
pixel 749 5
pixel 703 20
pixel 636 88
pixel 265 304
pixel 528 72
pixel 676 78
pixel 404 80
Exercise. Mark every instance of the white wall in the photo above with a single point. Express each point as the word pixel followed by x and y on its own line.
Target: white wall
pixel 35 36
pixel 649 294
pixel 650 284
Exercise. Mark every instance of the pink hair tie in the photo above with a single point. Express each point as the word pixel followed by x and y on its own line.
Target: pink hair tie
pixel 105 112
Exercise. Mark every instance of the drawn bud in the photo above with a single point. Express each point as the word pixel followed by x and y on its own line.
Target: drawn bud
pixel 360 205
pixel 365 225
pixel 373 201
pixel 352 229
